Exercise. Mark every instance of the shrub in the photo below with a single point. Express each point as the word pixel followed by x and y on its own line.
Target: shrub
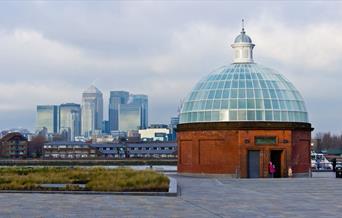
pixel 95 179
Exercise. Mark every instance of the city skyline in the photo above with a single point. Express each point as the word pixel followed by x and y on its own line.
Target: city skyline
pixel 126 112
pixel 52 64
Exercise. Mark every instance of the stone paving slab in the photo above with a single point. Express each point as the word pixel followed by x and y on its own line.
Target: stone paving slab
pixel 199 197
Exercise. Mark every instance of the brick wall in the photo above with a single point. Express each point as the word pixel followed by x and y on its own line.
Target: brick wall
pixel 301 161
pixel 226 151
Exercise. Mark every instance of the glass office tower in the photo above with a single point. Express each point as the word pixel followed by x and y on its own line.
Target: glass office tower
pixel 129 117
pixel 142 102
pixel 105 127
pixel 123 111
pixel 173 127
pixel 116 98
pixel 47 116
pixel 92 111
pixel 70 120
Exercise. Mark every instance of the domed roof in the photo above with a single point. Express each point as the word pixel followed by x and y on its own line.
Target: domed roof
pixel 243 38
pixel 244 92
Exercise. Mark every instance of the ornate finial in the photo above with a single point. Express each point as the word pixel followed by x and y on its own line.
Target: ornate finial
pixel 243 26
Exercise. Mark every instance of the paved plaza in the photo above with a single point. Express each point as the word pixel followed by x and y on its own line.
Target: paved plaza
pixel 320 196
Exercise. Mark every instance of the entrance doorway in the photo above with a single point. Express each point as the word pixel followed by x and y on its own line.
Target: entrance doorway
pixel 276 160
pixel 253 164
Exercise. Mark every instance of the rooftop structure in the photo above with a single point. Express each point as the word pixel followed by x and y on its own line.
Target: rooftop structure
pixel 244 91
pixel 242 117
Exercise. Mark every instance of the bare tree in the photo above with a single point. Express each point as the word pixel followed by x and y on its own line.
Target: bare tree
pixel 328 140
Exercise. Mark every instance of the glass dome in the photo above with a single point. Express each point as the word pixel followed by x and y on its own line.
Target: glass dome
pixel 244 92
pixel 243 38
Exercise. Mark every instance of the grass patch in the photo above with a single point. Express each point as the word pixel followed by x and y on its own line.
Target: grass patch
pixel 94 179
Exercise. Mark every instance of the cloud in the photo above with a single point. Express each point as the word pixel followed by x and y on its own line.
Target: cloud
pixel 312 47
pixel 308 55
pixel 50 52
pixel 26 95
pixel 29 54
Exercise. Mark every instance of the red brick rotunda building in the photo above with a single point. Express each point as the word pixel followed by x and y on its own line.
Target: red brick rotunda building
pixel 242 116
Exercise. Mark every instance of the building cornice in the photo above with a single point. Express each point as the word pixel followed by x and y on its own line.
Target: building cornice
pixel 244 126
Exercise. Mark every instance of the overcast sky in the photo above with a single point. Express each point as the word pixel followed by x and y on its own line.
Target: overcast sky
pixel 50 51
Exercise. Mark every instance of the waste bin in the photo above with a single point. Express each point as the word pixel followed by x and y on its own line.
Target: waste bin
pixel 338 171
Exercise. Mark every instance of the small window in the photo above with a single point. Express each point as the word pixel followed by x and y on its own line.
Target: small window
pixel 268 140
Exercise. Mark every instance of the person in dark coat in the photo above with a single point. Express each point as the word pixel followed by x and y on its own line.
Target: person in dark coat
pixel 334 164
pixel 318 164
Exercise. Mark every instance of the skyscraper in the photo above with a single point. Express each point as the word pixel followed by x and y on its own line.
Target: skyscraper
pixel 116 98
pixel 173 126
pixel 47 116
pixel 127 112
pixel 142 102
pixel 129 117
pixel 92 111
pixel 70 120
pixel 105 127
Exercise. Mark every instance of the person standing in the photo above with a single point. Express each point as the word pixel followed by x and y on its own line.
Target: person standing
pixel 271 169
pixel 318 164
pixel 289 172
pixel 334 164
